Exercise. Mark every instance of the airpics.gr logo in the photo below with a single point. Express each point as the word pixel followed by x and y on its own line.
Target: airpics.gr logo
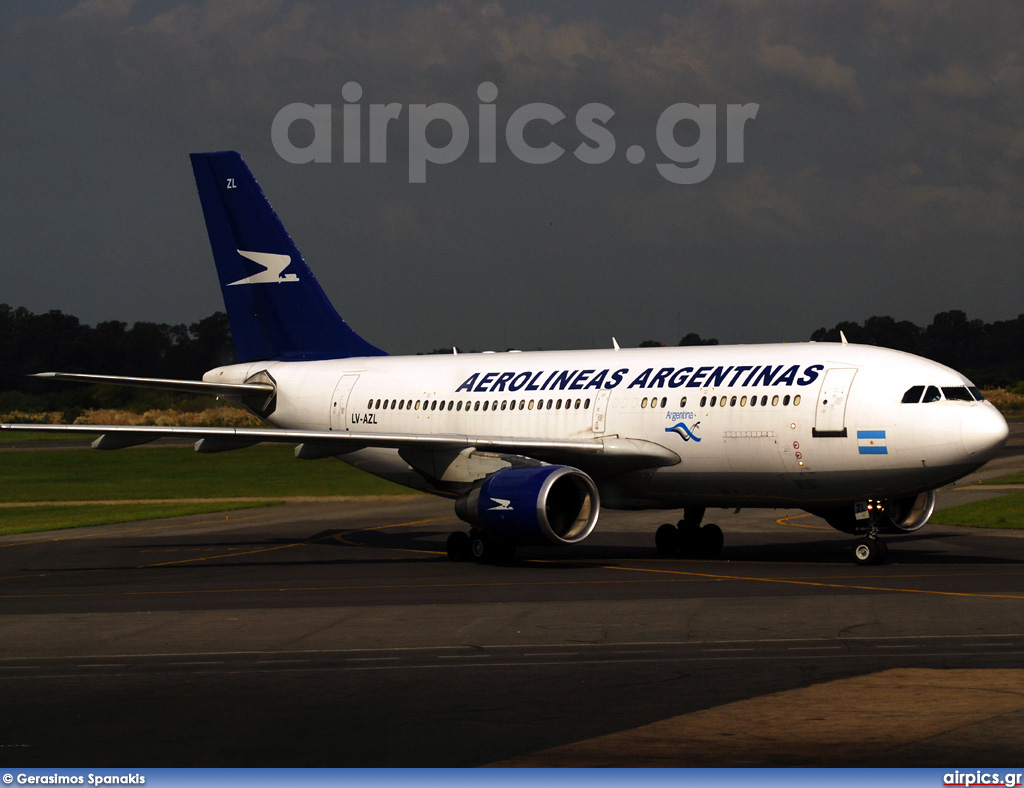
pixel 687 433
pixel 684 164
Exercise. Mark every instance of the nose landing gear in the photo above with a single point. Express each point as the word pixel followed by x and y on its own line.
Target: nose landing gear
pixel 870 551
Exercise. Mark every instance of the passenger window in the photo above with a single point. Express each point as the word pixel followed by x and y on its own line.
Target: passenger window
pixel 682 402
pixel 775 400
pixel 785 400
pixel 713 401
pixel 796 400
pixel 932 394
pixel 703 401
pixel 913 395
pixel 957 393
pixel 732 402
pixel 723 401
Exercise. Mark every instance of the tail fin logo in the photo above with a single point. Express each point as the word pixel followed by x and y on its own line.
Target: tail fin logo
pixel 273 264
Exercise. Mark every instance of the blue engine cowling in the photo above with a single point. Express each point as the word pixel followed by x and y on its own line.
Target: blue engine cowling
pixel 550 504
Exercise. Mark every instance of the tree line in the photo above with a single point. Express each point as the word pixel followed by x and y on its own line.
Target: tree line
pixel 991 354
pixel 58 342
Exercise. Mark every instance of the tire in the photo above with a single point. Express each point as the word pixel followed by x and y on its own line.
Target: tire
pixel 458 546
pixel 869 552
pixel 486 550
pixel 666 539
pixel 689 537
pixel 479 548
pixel 711 540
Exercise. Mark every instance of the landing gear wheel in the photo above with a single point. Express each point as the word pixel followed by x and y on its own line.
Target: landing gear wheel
pixel 458 546
pixel 486 550
pixel 689 537
pixel 479 547
pixel 869 552
pixel 711 540
pixel 666 539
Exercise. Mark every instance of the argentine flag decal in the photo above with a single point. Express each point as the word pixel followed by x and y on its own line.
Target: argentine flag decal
pixel 871 442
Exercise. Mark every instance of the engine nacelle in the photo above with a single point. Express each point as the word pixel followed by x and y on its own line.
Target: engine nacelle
pixel 894 515
pixel 910 514
pixel 552 504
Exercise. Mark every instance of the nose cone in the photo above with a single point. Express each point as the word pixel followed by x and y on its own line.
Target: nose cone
pixel 983 431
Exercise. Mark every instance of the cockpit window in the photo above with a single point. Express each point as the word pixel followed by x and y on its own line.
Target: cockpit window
pixel 932 394
pixel 976 393
pixel 959 393
pixel 913 394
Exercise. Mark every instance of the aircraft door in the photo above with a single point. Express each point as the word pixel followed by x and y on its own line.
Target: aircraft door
pixel 339 402
pixel 830 413
pixel 601 411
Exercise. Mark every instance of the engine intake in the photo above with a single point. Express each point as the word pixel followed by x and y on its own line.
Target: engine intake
pixel 894 516
pixel 910 514
pixel 552 504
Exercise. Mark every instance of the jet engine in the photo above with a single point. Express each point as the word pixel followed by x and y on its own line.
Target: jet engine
pixel 894 515
pixel 550 504
pixel 909 514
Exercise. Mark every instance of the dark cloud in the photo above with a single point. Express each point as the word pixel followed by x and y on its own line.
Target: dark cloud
pixel 882 174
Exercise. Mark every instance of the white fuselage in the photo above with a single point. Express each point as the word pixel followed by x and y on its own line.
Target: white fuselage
pixel 812 424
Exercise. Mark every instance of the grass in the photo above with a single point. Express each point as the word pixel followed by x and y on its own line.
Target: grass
pixel 1013 478
pixel 177 472
pixel 32 518
pixel 1006 511
pixel 41 437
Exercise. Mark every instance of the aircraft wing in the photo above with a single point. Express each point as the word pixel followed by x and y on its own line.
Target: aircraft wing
pixel 312 444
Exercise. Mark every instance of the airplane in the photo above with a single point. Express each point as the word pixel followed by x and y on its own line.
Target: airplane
pixel 531 445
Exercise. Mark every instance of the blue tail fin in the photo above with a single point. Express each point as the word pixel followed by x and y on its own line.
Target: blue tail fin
pixel 274 304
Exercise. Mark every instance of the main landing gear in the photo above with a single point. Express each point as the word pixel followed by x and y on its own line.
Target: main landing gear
pixel 478 546
pixel 689 537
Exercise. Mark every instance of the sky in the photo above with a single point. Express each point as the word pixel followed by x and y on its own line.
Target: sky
pixel 882 174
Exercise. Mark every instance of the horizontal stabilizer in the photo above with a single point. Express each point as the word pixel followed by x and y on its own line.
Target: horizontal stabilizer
pixel 167 384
